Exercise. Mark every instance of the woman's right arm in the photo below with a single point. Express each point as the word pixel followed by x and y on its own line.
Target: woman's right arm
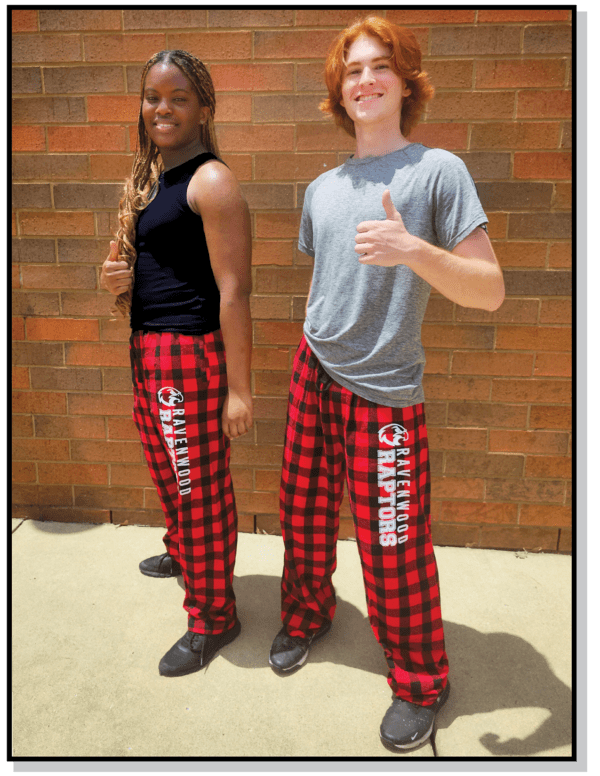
pixel 116 276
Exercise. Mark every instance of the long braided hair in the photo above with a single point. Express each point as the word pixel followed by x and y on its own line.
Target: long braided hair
pixel 141 186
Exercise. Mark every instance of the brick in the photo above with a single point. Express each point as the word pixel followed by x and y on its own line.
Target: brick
pixel 532 390
pixel 23 472
pixel 44 48
pixel 268 196
pixel 20 377
pixel 56 223
pixel 484 464
pixel 28 139
pixel 71 515
pixel 32 401
pixel 37 353
pixel 282 280
pixel 562 198
pixel 15 277
pixel 270 308
pixel 492 363
pixel 129 474
pixel 26 195
pixel 450 73
pixel 309 77
pixel 270 408
pixel 26 80
pixel 545 491
pixel 128 47
pixel 452 137
pixel 250 18
pixel 279 252
pixel 454 535
pixel 555 467
pixel 538 282
pixel 138 517
pixel 63 427
pixel 43 495
pixel 565 540
pixel 520 254
pixel 64 19
pixel 472 106
pixel 550 226
pixel 100 404
pixel 233 108
pixel 521 134
pixel 253 77
pixel 110 109
pixel 122 428
pixel 24 20
pixel 550 442
pixel 439 309
pixel 54 166
pixel 115 330
pixel 547 39
pixel 505 73
pixel 162 18
pixel 270 358
pixel 100 354
pixel 71 329
pixel 544 104
pixel 456 487
pixel 556 311
pixel 566 138
pixel 240 165
pixel 71 473
pixel 553 364
pixel 48 110
pixel 105 451
pixel 271 383
pixel 213 45
pixel 257 503
pixel 277 225
pixel 465 41
pixel 256 455
pixel 437 413
pixel 525 15
pixel 110 167
pixel 40 449
pixel 116 380
pixel 511 311
pixel 322 137
pixel 542 165
pixel 22 426
pixel 292 107
pixel 548 514
pixel 85 80
pixel 87 196
pixel 542 416
pixel 497 226
pixel 479 512
pixel 443 336
pixel 85 303
pixel 457 439
pixel 87 497
pixel 232 137
pixel 437 362
pixel 66 379
pixel 560 255
pixel 296 44
pixel 514 196
pixel 532 539
pixel 472 388
pixel 482 165
pixel 18 329
pixel 484 415
pixel 33 251
pixel 553 338
pixel 82 251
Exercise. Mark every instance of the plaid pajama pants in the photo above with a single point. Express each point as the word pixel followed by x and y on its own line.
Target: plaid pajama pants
pixel 384 453
pixel 179 387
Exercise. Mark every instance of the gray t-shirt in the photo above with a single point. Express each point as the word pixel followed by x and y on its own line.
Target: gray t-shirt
pixel 364 322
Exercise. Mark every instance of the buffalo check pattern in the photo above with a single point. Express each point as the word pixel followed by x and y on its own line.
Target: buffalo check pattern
pixel 179 387
pixel 382 452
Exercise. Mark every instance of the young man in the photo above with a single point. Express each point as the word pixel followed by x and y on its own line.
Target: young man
pixel 394 220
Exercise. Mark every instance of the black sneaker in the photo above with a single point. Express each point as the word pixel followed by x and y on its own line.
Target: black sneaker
pixel 193 651
pixel 289 652
pixel 160 566
pixel 406 725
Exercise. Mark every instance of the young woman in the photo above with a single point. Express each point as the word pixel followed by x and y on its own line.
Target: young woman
pixel 180 268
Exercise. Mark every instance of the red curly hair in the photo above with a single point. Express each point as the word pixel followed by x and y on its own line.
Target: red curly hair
pixel 405 59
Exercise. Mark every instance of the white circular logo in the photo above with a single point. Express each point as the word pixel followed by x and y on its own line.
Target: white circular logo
pixel 393 434
pixel 170 396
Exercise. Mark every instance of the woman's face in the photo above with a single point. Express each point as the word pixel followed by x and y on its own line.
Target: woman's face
pixel 171 111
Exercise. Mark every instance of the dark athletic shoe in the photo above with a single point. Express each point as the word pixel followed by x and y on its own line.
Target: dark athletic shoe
pixel 406 725
pixel 289 652
pixel 160 566
pixel 193 651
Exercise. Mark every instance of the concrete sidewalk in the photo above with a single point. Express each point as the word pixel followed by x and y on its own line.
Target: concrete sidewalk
pixel 89 631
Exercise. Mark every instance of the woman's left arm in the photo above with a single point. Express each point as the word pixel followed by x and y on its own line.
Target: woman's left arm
pixel 214 194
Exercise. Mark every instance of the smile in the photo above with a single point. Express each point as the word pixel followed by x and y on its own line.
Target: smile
pixel 368 98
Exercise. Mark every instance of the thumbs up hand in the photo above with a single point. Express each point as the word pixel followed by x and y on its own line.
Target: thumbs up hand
pixel 116 275
pixel 384 243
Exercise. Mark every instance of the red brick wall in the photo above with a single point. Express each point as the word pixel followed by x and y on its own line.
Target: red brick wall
pixel 497 384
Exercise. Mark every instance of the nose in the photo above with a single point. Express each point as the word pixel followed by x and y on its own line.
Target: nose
pixel 367 76
pixel 162 107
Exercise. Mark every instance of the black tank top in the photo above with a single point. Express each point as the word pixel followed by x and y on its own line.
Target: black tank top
pixel 174 287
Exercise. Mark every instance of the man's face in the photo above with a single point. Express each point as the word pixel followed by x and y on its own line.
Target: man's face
pixel 371 91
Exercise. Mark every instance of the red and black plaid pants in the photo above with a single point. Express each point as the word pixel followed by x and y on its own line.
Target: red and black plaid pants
pixel 179 388
pixel 383 452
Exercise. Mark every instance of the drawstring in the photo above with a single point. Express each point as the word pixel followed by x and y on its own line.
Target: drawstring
pixel 323 379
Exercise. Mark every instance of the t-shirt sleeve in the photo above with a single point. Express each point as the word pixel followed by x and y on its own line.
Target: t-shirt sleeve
pixel 458 210
pixel 305 237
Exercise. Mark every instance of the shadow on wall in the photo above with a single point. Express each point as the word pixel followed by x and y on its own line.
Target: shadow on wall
pixel 489 671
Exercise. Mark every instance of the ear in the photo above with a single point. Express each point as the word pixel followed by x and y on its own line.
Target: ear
pixel 205 114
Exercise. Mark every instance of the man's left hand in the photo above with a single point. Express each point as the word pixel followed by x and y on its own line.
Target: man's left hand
pixel 385 243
